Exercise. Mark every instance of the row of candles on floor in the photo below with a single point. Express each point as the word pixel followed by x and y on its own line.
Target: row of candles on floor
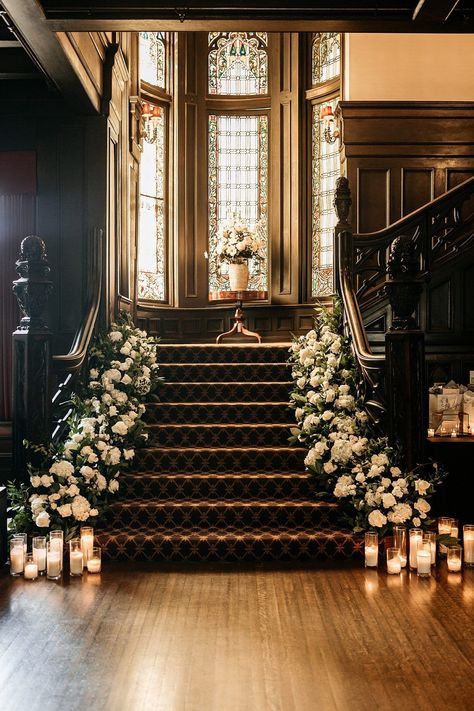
pixel 422 548
pixel 47 556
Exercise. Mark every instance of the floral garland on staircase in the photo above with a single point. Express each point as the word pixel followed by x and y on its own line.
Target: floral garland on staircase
pixel 348 461
pixel 80 472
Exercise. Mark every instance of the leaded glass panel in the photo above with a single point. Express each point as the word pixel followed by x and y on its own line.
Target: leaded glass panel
pixel 238 185
pixel 152 54
pixel 325 170
pixel 325 56
pixel 152 219
pixel 238 63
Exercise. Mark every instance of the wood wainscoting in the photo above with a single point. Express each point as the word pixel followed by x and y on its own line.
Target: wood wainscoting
pixel 401 155
pixel 274 323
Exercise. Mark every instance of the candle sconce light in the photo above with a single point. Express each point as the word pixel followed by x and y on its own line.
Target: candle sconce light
pixel 331 128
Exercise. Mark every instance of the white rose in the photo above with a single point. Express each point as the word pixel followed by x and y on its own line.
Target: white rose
pixel 113 486
pixel 301 382
pixel 128 453
pixel 327 415
pixel 115 336
pixel 120 428
pixel 422 486
pixel 62 468
pixel 422 505
pixel 329 467
pixel 299 413
pixel 417 522
pixel 388 501
pixel 101 482
pixel 46 480
pixel 87 472
pixel 377 518
pixel 42 520
pixel 65 510
pixel 126 379
pixel 35 481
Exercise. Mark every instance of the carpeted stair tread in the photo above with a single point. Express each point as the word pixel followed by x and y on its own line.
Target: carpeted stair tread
pixel 231 544
pixel 214 459
pixel 224 372
pixel 223 353
pixel 216 435
pixel 268 391
pixel 222 486
pixel 218 413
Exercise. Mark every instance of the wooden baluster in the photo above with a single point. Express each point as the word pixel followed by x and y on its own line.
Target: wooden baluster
pixel 31 354
pixel 405 353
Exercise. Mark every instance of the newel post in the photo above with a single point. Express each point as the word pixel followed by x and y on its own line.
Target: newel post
pixel 405 353
pixel 343 229
pixel 31 353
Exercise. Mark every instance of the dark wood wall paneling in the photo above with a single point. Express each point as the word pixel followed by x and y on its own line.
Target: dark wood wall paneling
pixel 399 156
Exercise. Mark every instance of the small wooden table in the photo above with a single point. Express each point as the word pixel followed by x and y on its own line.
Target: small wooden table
pixel 239 297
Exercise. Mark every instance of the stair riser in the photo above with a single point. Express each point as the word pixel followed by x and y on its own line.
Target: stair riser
pixel 223 392
pixel 222 354
pixel 213 549
pixel 225 372
pixel 218 488
pixel 218 414
pixel 209 461
pixel 219 436
pixel 220 516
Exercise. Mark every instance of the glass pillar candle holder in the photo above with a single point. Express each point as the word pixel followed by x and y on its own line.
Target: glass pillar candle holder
pixel 94 562
pixel 56 538
pixel 400 542
pixel 423 559
pixel 53 561
pixel 371 549
pixel 24 538
pixel 394 564
pixel 454 528
pixel 87 542
pixel 31 567
pixel 39 553
pixel 454 559
pixel 444 525
pixel 416 537
pixel 468 541
pixel 17 557
pixel 430 536
pixel 76 558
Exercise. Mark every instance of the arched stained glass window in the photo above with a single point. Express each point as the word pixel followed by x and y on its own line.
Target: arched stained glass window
pixel 326 168
pixel 238 63
pixel 238 186
pixel 152 216
pixel 152 53
pixel 326 56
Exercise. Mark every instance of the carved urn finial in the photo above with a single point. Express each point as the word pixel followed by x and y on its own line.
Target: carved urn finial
pixel 342 201
pixel 33 287
pixel 403 289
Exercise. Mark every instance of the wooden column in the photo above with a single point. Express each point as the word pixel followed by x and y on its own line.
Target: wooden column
pixel 31 354
pixel 405 354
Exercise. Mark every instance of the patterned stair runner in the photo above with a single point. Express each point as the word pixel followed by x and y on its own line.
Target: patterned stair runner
pixel 218 481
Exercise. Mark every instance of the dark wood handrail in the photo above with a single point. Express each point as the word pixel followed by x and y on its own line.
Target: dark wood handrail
pixel 72 362
pixel 429 207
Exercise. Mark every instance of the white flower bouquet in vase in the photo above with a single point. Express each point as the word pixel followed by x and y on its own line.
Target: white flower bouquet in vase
pixel 237 243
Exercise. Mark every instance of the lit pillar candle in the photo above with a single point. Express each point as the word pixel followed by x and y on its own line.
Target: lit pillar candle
pixel 416 537
pixel 454 559
pixel 430 536
pixel 371 549
pixel 87 542
pixel 394 566
pixel 17 559
pixel 31 568
pixel 53 563
pixel 94 560
pixel 468 539
pixel 423 559
pixel 76 557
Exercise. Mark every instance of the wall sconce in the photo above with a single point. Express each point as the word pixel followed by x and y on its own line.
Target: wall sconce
pixel 331 130
pixel 150 115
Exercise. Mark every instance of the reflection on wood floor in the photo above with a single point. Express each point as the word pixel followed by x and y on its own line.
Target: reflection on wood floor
pixel 226 638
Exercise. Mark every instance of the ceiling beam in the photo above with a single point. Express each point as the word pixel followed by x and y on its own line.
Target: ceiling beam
pixel 31 29
pixel 434 10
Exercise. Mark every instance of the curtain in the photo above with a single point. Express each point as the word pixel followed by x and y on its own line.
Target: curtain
pixel 17 220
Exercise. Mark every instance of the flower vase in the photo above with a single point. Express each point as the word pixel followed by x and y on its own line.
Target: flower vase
pixel 238 276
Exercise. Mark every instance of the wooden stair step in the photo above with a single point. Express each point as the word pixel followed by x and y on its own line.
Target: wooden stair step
pixel 214 435
pixel 269 391
pixel 224 372
pixel 218 412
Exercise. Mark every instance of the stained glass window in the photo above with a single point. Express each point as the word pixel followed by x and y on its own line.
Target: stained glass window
pixel 325 170
pixel 152 53
pixel 152 218
pixel 238 185
pixel 325 56
pixel 238 63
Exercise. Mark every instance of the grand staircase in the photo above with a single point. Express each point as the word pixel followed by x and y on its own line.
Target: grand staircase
pixel 218 481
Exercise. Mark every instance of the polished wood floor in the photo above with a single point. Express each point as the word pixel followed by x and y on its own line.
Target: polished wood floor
pixel 176 638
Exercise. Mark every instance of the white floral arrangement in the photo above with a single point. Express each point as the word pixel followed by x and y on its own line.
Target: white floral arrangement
pixel 236 241
pixel 349 463
pixel 82 471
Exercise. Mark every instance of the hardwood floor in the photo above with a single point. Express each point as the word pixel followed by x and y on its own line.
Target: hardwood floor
pixel 226 638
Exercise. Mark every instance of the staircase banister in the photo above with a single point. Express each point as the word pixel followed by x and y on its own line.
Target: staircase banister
pixel 379 236
pixel 73 360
